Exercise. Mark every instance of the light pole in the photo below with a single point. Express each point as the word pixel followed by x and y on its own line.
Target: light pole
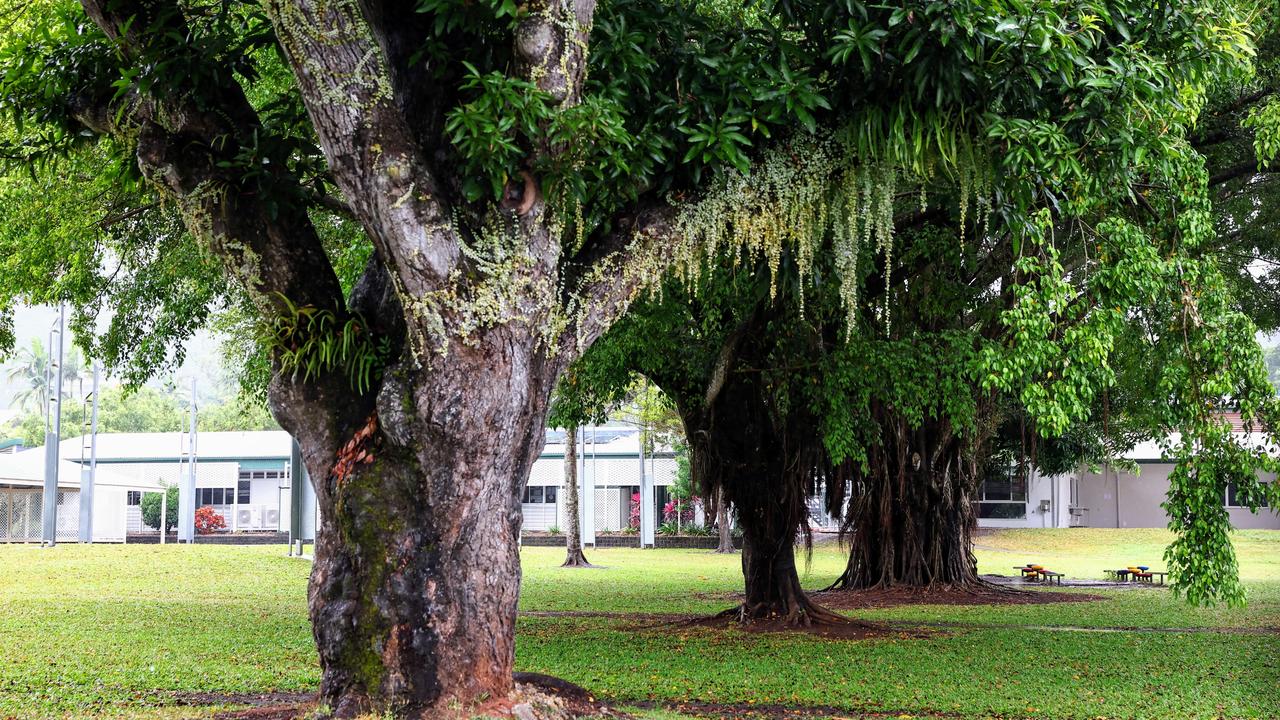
pixel 86 484
pixel 187 494
pixel 53 432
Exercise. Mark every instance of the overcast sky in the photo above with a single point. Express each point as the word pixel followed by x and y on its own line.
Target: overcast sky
pixel 30 323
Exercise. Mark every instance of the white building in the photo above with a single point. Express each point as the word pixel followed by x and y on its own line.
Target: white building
pixel 22 499
pixel 609 468
pixel 1110 498
pixel 244 476
pixel 249 477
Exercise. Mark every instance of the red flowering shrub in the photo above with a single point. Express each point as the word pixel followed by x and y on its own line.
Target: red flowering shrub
pixel 681 511
pixel 634 520
pixel 207 520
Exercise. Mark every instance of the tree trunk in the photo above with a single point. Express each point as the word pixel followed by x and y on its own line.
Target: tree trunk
pixel 574 556
pixel 417 571
pixel 772 583
pixel 911 521
pixel 722 523
pixel 765 466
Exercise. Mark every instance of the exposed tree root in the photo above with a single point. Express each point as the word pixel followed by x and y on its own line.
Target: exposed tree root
pixel 575 558
pixel 796 614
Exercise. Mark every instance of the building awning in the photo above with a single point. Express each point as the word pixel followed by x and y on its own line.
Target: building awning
pixel 26 469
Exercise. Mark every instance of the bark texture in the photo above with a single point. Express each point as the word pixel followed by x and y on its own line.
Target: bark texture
pixel 413 593
pixel 910 522
pixel 418 478
pixel 573 555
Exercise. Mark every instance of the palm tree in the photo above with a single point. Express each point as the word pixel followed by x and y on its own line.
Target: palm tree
pixel 29 370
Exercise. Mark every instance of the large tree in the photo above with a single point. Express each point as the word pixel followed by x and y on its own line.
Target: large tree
pixel 507 205
pixel 1050 307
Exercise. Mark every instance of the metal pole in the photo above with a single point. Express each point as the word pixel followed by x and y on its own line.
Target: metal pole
pixel 86 485
pixel 187 493
pixel 647 525
pixel 164 512
pixel 587 496
pixel 49 536
pixel 296 497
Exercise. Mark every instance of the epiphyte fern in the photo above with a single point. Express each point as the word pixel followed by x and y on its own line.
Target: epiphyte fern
pixel 311 341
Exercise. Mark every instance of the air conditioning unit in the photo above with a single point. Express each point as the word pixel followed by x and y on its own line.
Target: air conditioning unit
pixel 272 518
pixel 243 518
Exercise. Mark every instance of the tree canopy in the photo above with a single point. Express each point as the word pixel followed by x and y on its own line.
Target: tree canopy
pixel 427 210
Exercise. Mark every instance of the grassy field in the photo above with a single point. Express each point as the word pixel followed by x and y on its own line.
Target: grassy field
pixel 130 632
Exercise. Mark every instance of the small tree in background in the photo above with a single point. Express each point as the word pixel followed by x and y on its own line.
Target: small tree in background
pixel 151 509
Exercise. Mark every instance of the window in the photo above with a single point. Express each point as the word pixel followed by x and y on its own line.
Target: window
pixel 1003 493
pixel 539 494
pixel 214 496
pixel 1238 501
pixel 246 476
pixel 134 497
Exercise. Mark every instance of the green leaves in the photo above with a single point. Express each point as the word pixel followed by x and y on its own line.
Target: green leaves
pixel 719 142
pixel 494 130
pixel 311 342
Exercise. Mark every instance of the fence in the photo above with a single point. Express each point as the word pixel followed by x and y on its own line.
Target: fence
pixel 22 513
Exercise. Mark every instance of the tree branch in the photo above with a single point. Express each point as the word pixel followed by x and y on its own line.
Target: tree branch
pixel 606 280
pixel 183 145
pixel 1240 170
pixel 551 46
pixel 345 79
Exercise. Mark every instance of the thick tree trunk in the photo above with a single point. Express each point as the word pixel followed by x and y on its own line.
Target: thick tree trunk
pixel 763 466
pixel 911 521
pixel 417 572
pixel 574 556
pixel 722 524
pixel 772 584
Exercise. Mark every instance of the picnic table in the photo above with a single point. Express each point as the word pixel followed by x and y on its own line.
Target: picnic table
pixel 1037 573
pixel 1136 573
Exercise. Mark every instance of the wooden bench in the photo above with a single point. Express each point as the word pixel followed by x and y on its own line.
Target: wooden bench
pixel 1051 577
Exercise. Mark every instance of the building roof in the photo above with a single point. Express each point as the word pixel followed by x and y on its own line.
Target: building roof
pixel 172 446
pixel 1153 451
pixel 26 469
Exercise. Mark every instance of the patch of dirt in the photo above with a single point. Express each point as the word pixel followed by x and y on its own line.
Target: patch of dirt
pixel 537 697
pixel 898 596
pixel 543 697
pixel 745 711
pixel 655 617
pixel 838 630
pixel 262 706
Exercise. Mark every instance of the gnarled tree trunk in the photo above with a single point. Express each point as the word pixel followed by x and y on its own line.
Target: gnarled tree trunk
pixel 574 557
pixel 765 463
pixel 419 398
pixel 417 573
pixel 911 521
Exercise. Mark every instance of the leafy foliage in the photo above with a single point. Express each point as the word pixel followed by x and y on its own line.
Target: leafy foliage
pixel 150 507
pixel 309 341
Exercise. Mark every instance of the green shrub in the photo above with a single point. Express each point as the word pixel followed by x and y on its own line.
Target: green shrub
pixel 151 509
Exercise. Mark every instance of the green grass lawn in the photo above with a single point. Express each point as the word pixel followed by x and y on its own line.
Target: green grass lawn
pixel 124 632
